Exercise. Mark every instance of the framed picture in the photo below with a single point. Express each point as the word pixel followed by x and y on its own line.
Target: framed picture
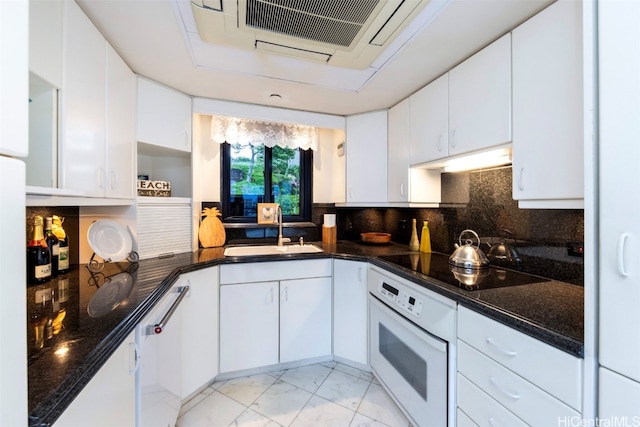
pixel 267 213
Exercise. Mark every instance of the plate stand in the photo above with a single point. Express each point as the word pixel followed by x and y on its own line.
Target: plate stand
pixel 95 265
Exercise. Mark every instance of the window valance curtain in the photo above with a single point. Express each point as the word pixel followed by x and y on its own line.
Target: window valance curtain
pixel 245 131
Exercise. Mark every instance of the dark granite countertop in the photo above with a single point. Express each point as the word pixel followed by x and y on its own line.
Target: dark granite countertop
pixel 65 354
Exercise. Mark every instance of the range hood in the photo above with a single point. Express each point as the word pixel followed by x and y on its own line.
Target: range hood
pixel 344 33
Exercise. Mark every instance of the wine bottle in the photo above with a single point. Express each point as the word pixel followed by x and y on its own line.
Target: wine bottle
pixel 63 240
pixel 38 255
pixel 53 244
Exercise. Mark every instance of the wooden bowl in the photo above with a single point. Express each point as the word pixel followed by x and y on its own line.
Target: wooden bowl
pixel 377 238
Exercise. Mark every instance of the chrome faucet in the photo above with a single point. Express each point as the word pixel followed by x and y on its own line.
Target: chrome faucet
pixel 281 240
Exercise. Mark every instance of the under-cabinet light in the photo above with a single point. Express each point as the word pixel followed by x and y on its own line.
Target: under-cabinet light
pixel 483 160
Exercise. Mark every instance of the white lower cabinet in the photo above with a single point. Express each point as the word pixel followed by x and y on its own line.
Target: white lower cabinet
pixel 305 319
pixel 285 318
pixel 109 398
pixel 248 326
pixel 480 409
pixel 199 330
pixel 618 399
pixel 506 375
pixel 350 310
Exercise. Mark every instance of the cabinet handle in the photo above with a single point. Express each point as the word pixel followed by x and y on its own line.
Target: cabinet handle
pixel 114 179
pixel 453 138
pixel 271 293
pixel 286 294
pixel 359 274
pixel 102 178
pixel 500 348
pixel 502 390
pixel 186 138
pixel 158 328
pixel 521 179
pixel 622 240
pixel 402 190
pixel 133 350
pixel 492 422
pixel 439 143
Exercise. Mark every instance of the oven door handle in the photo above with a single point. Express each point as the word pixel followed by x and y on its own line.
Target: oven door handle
pixel 433 341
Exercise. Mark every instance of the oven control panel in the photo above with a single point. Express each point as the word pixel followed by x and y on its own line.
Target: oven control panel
pixel 401 299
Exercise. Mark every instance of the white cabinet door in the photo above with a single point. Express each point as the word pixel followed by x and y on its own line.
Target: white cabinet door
pixel 350 321
pixel 548 106
pixel 480 99
pixel 120 127
pixel 398 153
pixel 13 369
pixel 159 374
pixel 164 116
pixel 248 326
pixel 109 398
pixel 14 78
pixel 199 329
pixel 429 122
pixel 619 204
pixel 45 40
pixel 305 319
pixel 366 151
pixel 82 146
pixel 618 398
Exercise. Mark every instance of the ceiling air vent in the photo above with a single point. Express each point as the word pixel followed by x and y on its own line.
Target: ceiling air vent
pixel 336 22
pixel 345 33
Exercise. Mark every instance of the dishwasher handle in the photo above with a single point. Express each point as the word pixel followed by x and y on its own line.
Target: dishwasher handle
pixel 158 327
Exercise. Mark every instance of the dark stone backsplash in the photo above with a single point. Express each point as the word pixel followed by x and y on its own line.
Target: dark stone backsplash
pixel 482 201
pixel 478 200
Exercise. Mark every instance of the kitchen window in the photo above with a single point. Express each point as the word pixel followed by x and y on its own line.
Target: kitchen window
pixel 265 163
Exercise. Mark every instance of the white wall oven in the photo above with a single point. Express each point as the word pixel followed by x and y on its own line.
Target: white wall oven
pixel 412 347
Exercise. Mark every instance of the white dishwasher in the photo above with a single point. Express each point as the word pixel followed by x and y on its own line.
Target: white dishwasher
pixel 158 379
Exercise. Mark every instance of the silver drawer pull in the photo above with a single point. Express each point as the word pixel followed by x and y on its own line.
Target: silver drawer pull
pixel 507 393
pixel 500 348
pixel 157 328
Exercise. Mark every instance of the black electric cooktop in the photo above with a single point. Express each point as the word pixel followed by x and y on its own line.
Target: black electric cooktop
pixel 437 266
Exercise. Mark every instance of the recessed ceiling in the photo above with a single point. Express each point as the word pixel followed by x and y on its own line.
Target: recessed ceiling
pixel 159 39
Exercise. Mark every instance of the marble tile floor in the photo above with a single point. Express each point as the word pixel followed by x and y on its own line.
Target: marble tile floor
pixel 327 394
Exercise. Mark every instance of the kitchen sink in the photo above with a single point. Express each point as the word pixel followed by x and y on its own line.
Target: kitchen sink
pixel 270 250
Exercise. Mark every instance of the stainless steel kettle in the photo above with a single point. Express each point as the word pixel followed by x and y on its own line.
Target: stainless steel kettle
pixel 466 255
pixel 504 254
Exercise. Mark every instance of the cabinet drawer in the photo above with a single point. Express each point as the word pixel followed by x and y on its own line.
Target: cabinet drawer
pixel 481 408
pixel 463 420
pixel 274 271
pixel 528 402
pixel 553 370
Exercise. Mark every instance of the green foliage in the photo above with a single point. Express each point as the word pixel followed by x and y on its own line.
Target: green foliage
pixel 285 175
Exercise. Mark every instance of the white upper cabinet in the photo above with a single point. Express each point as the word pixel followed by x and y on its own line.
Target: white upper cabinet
pixel 398 153
pixel 429 122
pixel 548 108
pixel 83 111
pixel 366 151
pixel 120 127
pixel 97 137
pixel 45 40
pixel 480 99
pixel 406 184
pixel 14 78
pixel 164 116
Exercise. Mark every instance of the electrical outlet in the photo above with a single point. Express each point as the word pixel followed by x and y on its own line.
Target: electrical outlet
pixel 402 225
pixel 575 249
